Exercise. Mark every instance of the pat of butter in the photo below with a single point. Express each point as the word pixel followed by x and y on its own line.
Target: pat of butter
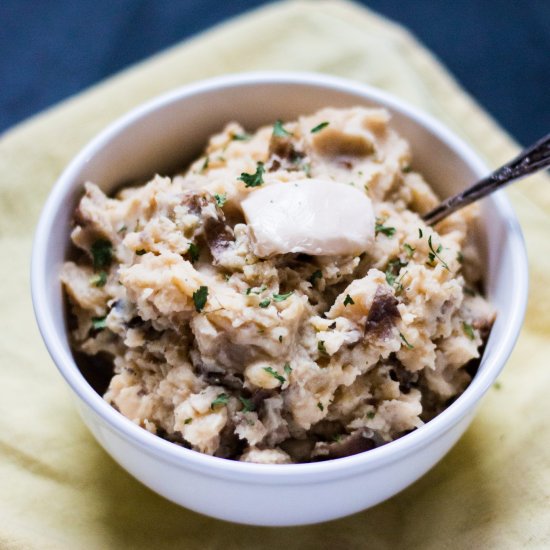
pixel 312 216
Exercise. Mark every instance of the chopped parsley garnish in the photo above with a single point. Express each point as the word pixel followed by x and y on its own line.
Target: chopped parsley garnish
pixel 140 252
pixel 468 330
pixel 392 271
pixel 409 249
pixel 194 252
pixel 188 420
pixel 99 323
pixel 221 199
pixel 199 298
pixel 251 290
pixel 279 131
pixel 241 137
pixel 420 234
pixel 122 229
pixel 253 180
pixel 281 297
pixel 314 276
pixel 205 164
pixel 319 127
pixel 406 169
pixel 320 406
pixel 99 279
pixel 379 227
pixel 248 405
pixel 265 303
pixel 460 257
pixel 321 347
pixel 371 415
pixel 280 338
pixel 348 300
pixel 406 342
pixel 287 368
pixel 469 291
pixel 497 385
pixel 434 253
pixel 275 374
pixel 102 253
pixel 222 399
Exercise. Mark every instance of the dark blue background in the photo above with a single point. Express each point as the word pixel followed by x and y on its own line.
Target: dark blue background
pixel 498 49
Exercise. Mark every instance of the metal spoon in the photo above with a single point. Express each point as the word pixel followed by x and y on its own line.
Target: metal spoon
pixel 530 160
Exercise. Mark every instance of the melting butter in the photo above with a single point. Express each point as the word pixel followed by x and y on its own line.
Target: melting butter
pixel 311 216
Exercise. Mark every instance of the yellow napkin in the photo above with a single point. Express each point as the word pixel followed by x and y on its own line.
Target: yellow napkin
pixel 60 490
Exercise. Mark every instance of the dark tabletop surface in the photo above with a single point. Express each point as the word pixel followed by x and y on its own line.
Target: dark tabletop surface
pixel 498 49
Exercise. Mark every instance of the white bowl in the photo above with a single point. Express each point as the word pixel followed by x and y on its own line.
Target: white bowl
pixel 165 134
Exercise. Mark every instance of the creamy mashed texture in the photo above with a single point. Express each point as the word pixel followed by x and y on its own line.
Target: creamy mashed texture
pixel 282 300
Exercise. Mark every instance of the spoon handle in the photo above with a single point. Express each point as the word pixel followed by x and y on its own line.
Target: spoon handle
pixel 530 160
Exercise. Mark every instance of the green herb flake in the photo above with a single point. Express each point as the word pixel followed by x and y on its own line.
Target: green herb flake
pixel 248 405
pixel 253 180
pixel 371 415
pixel 122 229
pixel 497 385
pixel 280 338
pixel 319 127
pixel 222 399
pixel 140 252
pixel 321 347
pixel 433 254
pixel 420 234
pixel 102 253
pixel 409 249
pixel 348 300
pixel 314 276
pixel 392 271
pixel 279 130
pixel 253 290
pixel 281 297
pixel 241 137
pixel 460 257
pixel 199 298
pixel 405 341
pixel 99 279
pixel 320 406
pixel 468 330
pixel 379 227
pixel 194 252
pixel 221 199
pixel 406 169
pixel 188 420
pixel 265 303
pixel 275 374
pixel 205 164
pixel 99 323
pixel 287 368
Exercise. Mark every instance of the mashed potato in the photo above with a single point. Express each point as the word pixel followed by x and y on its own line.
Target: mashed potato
pixel 285 326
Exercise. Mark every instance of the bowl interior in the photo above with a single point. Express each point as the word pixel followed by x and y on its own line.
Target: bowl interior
pixel 168 133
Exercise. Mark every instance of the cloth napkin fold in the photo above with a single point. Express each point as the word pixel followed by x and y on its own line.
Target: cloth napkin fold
pixel 60 490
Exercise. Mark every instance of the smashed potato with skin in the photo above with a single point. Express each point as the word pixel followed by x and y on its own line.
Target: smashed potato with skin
pixel 292 357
